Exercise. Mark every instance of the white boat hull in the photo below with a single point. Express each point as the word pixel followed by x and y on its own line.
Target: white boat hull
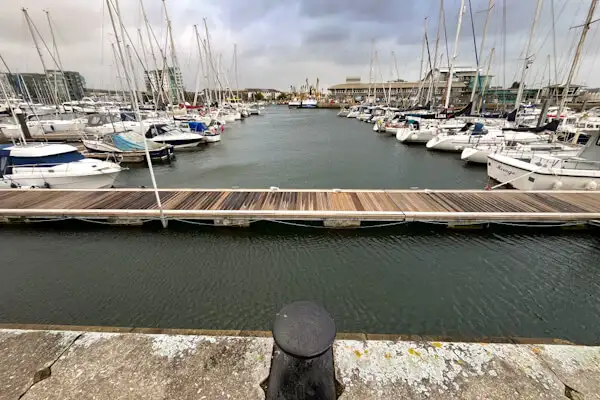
pixel 406 135
pixel 480 156
pixel 84 174
pixel 65 182
pixel 212 138
pixel 525 176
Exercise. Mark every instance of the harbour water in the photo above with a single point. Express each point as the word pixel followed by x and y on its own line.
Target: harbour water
pixel 310 149
pixel 429 281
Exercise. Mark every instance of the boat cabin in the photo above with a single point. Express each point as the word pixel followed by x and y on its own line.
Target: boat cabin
pixel 36 155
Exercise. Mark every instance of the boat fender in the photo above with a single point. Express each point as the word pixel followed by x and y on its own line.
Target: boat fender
pixel 557 185
pixel 591 185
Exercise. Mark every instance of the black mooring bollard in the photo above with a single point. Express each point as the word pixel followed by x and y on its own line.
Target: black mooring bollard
pixel 302 364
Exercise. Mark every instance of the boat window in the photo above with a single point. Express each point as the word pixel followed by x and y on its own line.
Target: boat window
pixel 49 160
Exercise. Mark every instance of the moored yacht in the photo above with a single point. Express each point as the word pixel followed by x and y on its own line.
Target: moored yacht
pixel 547 172
pixel 58 166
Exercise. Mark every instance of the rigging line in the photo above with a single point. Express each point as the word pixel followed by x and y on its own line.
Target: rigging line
pixel 473 31
pixel 591 68
pixel 445 33
pixel 552 27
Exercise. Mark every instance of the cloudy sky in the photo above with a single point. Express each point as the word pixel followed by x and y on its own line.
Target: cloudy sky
pixel 283 42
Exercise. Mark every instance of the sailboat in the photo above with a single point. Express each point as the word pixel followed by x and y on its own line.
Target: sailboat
pixel 547 172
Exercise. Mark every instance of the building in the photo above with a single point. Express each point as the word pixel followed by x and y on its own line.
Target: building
pixel 50 88
pixel 6 84
pixel 66 84
pixel 406 92
pixel 33 86
pixel 251 94
pixel 168 81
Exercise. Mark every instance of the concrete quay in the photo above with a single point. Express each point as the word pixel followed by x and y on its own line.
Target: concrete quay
pixel 125 363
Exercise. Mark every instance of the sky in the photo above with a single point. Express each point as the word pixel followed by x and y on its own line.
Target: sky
pixel 284 42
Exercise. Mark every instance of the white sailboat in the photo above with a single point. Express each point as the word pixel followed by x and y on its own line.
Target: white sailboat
pixel 547 172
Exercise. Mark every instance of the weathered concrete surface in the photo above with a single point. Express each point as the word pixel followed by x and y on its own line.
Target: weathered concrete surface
pixel 78 365
pixel 434 370
pixel 126 366
pixel 24 353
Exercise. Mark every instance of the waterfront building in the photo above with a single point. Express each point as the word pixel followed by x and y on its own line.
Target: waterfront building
pixel 168 81
pixel 401 91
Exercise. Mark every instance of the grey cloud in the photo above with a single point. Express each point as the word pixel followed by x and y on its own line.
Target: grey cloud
pixel 281 42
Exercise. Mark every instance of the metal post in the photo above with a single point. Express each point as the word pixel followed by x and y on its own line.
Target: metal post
pixel 302 363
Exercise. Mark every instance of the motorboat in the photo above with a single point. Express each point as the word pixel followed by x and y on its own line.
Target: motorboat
pixel 294 103
pixel 548 172
pixel 103 124
pixel 58 166
pixel 126 144
pixel 309 102
pixel 168 134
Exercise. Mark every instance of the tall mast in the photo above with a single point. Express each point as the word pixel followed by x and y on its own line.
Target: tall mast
pixel 147 68
pixel 421 77
pixel 586 28
pixel 180 94
pixel 371 69
pixel 208 95
pixel 150 34
pixel 476 81
pixel 437 45
pixel 37 46
pixel 538 8
pixel 235 66
pixel 487 74
pixel 135 104
pixel 200 66
pixel 451 70
pixel 58 60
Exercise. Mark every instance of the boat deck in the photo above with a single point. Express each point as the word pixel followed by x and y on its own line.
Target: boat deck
pixel 352 206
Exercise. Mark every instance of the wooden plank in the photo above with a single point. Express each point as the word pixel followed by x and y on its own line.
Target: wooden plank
pixel 363 204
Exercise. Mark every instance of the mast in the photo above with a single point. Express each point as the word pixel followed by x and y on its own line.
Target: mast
pixel 586 28
pixel 371 70
pixel 554 48
pixel 12 111
pixel 421 77
pixel 451 70
pixel 435 53
pixel 200 66
pixel 135 104
pixel 487 74
pixel 180 95
pixel 476 81
pixel 146 69
pixel 58 60
pixel 150 35
pixel 235 66
pixel 37 46
pixel 527 56
pixel 119 76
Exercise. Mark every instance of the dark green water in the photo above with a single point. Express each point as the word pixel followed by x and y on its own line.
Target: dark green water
pixel 310 149
pixel 411 281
